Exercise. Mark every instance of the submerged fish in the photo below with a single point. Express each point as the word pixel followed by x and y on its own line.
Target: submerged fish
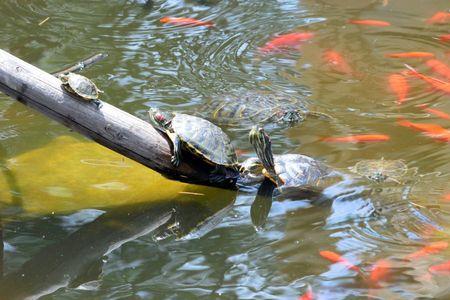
pixel 432 248
pixel 337 62
pixel 444 38
pixel 380 272
pixel 399 86
pixel 434 82
pixel 446 197
pixel 434 131
pixel 186 21
pixel 414 54
pixel 361 138
pixel 337 258
pixel 377 23
pixel 441 17
pixel 308 295
pixel 443 268
pixel 439 67
pixel 436 112
pixel 289 40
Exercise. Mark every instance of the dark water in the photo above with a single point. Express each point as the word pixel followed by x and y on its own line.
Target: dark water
pixel 74 234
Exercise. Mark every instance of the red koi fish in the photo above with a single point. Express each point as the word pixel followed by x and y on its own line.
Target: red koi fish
pixel 446 197
pixel 441 17
pixel 399 86
pixel 444 38
pixel 337 62
pixel 439 67
pixel 308 295
pixel 410 55
pixel 380 272
pixel 186 21
pixel 289 40
pixel 361 138
pixel 431 130
pixel 443 268
pixel 432 248
pixel 438 113
pixel 337 258
pixel 434 82
pixel 377 23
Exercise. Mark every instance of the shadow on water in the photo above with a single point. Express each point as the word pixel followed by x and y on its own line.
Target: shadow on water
pixel 78 258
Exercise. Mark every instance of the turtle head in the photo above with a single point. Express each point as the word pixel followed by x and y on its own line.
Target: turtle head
pixel 292 116
pixel 159 118
pixel 263 147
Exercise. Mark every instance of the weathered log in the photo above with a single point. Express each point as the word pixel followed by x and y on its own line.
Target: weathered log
pixel 107 125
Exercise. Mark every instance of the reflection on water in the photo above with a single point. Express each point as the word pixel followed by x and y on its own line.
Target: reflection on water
pixel 69 206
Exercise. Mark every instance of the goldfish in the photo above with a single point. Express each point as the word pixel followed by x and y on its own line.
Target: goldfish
pixel 443 268
pixel 361 138
pixel 308 295
pixel 444 37
pixel 431 130
pixel 399 85
pixel 289 40
pixel 370 23
pixel 337 62
pixel 186 21
pixel 446 197
pixel 432 248
pixel 436 112
pixel 441 17
pixel 380 271
pixel 337 258
pixel 410 55
pixel 434 82
pixel 439 67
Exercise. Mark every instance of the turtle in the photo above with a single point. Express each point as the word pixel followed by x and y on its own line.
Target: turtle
pixel 258 108
pixel 200 138
pixel 288 170
pixel 381 170
pixel 81 86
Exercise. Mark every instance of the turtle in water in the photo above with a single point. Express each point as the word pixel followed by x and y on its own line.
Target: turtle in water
pixel 82 87
pixel 381 170
pixel 200 138
pixel 258 108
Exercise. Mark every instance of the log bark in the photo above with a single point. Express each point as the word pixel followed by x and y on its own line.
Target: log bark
pixel 107 125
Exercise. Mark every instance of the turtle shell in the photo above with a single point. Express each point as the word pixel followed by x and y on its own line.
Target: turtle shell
pixel 81 86
pixel 381 170
pixel 257 107
pixel 205 139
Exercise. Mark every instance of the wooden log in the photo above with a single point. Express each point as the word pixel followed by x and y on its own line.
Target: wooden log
pixel 107 125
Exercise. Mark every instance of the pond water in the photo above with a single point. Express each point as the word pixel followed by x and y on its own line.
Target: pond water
pixel 80 222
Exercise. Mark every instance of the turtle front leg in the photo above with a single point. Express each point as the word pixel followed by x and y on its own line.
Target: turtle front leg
pixel 176 157
pixel 98 103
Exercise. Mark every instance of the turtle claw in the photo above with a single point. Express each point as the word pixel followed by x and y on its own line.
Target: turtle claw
pixel 175 161
pixel 98 104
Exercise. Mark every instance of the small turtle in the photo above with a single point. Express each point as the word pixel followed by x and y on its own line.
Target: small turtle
pixel 82 87
pixel 199 137
pixel 258 108
pixel 381 170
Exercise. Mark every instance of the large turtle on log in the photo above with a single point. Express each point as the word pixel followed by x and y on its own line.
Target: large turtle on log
pixel 258 108
pixel 200 138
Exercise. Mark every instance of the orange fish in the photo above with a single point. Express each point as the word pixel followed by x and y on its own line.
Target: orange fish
pixel 337 62
pixel 432 130
pixel 186 21
pixel 308 295
pixel 446 197
pixel 432 248
pixel 443 268
pixel 370 23
pixel 399 85
pixel 441 17
pixel 380 272
pixel 434 82
pixel 337 258
pixel 445 37
pixel 410 55
pixel 436 112
pixel 361 138
pixel 439 67
pixel 289 40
